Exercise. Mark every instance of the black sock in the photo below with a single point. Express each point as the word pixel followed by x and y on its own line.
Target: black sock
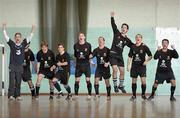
pixel 68 89
pixel 52 91
pixel 89 87
pixel 153 90
pixel 37 90
pixel 76 87
pixel 32 91
pixel 96 87
pixel 172 90
pixel 108 90
pixel 143 87
pixel 57 86
pixel 134 86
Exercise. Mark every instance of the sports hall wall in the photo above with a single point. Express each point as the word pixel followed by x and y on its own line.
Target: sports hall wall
pixel 143 16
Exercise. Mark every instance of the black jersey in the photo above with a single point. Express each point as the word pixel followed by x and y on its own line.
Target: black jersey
pixel 119 41
pixel 17 52
pixel 46 60
pixel 63 58
pixel 29 56
pixel 102 56
pixel 138 54
pixel 82 52
pixel 164 60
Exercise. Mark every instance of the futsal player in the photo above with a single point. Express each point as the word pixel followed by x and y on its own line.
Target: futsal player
pixel 103 69
pixel 46 59
pixel 164 70
pixel 17 49
pixel 62 71
pixel 137 62
pixel 120 40
pixel 26 76
pixel 82 51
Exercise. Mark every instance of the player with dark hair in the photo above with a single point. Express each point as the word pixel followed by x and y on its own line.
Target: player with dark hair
pixel 120 40
pixel 26 76
pixel 164 71
pixel 45 58
pixel 137 62
pixel 82 51
pixel 62 71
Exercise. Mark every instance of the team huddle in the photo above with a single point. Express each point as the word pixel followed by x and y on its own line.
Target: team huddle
pixel 57 68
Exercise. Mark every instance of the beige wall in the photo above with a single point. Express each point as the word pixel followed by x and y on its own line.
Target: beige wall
pixel 19 13
pixel 137 13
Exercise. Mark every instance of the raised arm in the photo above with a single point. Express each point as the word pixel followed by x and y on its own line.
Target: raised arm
pixel 113 24
pixel 5 33
pixel 174 52
pixel 31 34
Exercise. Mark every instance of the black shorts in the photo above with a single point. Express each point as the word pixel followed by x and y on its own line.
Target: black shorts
pixel 161 77
pixel 26 76
pixel 62 76
pixel 83 69
pixel 116 61
pixel 138 71
pixel 103 73
pixel 47 73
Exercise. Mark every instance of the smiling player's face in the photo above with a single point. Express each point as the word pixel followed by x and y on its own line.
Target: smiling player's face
pixel 138 39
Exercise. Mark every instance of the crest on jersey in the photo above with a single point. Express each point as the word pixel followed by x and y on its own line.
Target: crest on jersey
pixel 28 57
pixel 85 49
pixel 119 37
pixel 77 50
pixel 105 54
pixel 49 58
pixel 62 60
pixel 41 58
pixel 168 57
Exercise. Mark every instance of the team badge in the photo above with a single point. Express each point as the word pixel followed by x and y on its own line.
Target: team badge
pixel 104 54
pixel 168 57
pixel 49 58
pixel 85 49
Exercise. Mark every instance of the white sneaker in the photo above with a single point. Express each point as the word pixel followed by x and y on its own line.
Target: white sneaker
pixel 75 97
pixel 19 98
pixel 96 97
pixel 89 97
pixel 11 98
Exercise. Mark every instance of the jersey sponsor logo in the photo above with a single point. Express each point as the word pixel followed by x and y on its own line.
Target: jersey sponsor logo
pixel 163 64
pixel 102 60
pixel 18 52
pixel 137 58
pixel 120 44
pixel 81 55
pixel 46 64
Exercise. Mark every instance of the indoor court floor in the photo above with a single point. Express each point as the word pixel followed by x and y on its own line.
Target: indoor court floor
pixel 118 107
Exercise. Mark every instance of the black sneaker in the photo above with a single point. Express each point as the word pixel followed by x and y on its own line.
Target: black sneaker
pixel 133 98
pixel 60 95
pixel 151 97
pixel 116 90
pixel 69 96
pixel 122 89
pixel 172 98
pixel 144 97
pixel 50 97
